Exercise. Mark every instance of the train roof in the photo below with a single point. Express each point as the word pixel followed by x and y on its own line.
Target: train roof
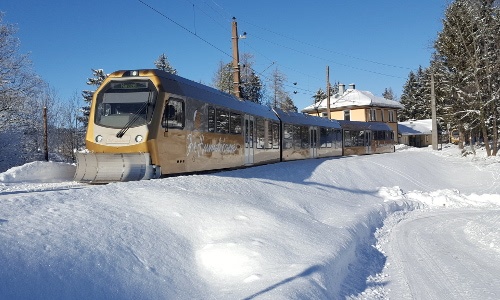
pixel 357 125
pixel 184 87
pixel 305 119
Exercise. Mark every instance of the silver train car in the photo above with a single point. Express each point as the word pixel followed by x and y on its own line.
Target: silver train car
pixel 146 124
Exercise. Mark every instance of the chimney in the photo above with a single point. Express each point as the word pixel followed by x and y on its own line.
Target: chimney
pixel 352 86
pixel 341 89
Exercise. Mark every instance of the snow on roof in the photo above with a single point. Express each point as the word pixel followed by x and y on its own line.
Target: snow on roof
pixel 415 127
pixel 353 97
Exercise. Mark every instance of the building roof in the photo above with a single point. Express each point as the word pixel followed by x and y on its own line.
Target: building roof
pixel 415 127
pixel 350 98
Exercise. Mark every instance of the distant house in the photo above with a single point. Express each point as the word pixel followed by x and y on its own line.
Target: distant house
pixel 416 133
pixel 355 105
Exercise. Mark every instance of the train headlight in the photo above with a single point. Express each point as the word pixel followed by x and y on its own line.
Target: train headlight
pixel 98 138
pixel 139 138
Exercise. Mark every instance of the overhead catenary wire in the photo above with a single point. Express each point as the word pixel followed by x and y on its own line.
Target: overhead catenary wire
pixel 186 29
pixel 194 33
pixel 243 20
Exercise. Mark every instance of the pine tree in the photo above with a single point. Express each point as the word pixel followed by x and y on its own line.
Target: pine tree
pixel 468 48
pixel 388 94
pixel 163 64
pixel 320 95
pixel 87 95
pixel 252 88
pixel 223 78
pixel 251 84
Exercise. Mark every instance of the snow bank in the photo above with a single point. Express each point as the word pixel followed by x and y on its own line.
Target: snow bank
pixel 301 230
pixel 447 198
pixel 39 171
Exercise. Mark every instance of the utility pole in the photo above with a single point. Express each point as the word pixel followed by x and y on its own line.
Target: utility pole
pixel 328 92
pixel 45 134
pixel 236 61
pixel 434 116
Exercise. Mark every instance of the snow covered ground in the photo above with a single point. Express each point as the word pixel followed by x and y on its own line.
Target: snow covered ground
pixel 416 224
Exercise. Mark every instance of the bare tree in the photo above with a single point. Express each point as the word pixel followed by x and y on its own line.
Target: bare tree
pixel 17 80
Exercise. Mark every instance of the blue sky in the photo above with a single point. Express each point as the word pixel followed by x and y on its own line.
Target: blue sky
pixel 374 44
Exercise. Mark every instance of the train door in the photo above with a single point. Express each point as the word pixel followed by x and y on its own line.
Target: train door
pixel 313 142
pixel 368 141
pixel 249 138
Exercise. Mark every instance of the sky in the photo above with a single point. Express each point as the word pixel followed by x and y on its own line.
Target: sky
pixel 414 224
pixel 373 44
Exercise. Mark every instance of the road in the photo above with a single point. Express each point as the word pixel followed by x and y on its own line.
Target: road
pixel 445 254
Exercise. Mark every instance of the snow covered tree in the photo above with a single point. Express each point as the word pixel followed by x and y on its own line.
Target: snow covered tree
pixel 18 82
pixel 251 86
pixel 163 64
pixel 281 98
pixel 468 47
pixel 87 95
pixel 223 78
pixel 320 95
pixel 416 96
pixel 388 94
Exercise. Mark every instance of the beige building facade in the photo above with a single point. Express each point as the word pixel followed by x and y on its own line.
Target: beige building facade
pixel 356 105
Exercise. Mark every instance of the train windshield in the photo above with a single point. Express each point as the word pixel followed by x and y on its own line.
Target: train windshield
pixel 125 104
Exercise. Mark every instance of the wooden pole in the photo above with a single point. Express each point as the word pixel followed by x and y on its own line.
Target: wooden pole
pixel 236 61
pixel 328 92
pixel 45 134
pixel 434 116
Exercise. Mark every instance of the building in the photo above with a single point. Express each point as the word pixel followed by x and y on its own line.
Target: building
pixel 355 105
pixel 415 133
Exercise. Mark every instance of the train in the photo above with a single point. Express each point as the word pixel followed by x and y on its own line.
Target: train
pixel 147 124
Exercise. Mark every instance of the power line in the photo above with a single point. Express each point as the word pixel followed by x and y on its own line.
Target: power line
pixel 315 46
pixel 179 25
pixel 327 60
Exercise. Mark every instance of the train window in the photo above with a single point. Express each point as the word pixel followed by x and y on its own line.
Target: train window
pixel 260 133
pixel 347 138
pixel 269 136
pixel 288 136
pixel 222 118
pixel 360 138
pixel 173 116
pixel 125 104
pixel 325 138
pixel 304 137
pixel 211 119
pixel 338 138
pixel 249 133
pixel 296 137
pixel 235 125
pixel 276 135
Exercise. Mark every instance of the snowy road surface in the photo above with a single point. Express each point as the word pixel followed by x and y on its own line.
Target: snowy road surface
pixel 445 254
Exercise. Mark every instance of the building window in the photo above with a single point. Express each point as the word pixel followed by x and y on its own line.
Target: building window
pixel 347 115
pixel 391 116
pixel 382 114
pixel 373 114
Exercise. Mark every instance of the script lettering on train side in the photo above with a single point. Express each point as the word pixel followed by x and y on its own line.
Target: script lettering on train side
pixel 196 145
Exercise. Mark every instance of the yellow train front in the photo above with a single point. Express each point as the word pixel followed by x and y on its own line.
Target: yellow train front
pixel 148 123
